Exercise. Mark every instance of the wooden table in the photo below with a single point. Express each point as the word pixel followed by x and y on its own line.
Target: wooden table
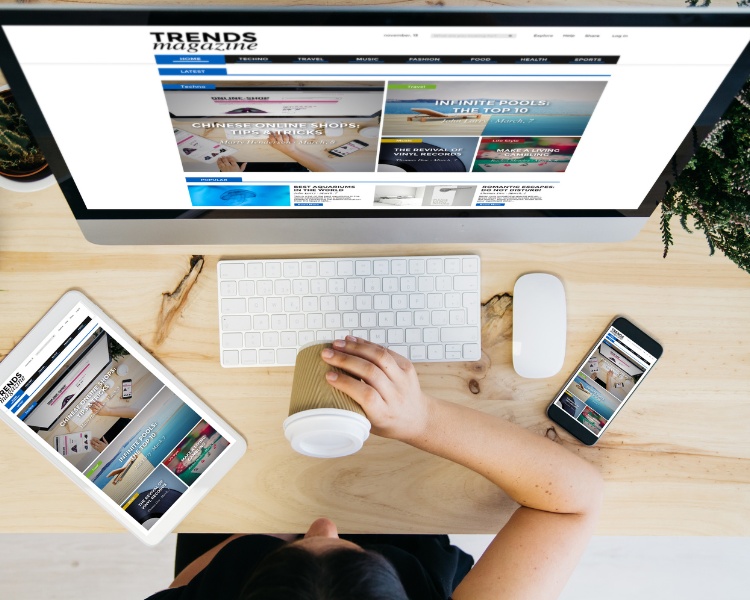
pixel 676 461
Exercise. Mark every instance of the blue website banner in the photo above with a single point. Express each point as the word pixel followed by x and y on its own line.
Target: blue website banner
pixel 187 70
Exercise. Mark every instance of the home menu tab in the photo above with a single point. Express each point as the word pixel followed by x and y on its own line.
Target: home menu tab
pixel 380 118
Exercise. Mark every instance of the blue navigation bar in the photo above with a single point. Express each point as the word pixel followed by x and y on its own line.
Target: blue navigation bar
pixel 187 70
pixel 188 86
pixel 213 179
pixel 190 59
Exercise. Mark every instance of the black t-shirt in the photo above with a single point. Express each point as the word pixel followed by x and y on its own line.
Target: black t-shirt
pixel 429 567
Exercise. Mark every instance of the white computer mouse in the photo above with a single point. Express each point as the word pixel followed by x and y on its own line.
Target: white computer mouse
pixel 539 325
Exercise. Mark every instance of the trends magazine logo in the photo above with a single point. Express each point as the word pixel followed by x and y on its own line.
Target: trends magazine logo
pixel 202 41
pixel 11 387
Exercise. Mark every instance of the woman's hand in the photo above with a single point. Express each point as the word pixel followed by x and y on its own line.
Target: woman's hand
pixel 383 383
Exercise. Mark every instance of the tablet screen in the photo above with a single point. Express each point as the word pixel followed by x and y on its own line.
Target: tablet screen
pixel 88 398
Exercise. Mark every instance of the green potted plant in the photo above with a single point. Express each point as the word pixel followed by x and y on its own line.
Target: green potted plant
pixel 22 164
pixel 712 193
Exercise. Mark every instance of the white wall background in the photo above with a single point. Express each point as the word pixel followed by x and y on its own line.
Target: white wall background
pixel 71 567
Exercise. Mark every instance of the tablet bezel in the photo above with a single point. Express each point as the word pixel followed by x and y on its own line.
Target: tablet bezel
pixel 195 492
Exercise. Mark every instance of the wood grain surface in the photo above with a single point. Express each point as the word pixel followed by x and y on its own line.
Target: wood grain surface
pixel 676 460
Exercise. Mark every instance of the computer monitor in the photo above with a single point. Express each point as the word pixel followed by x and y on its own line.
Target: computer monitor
pixel 354 125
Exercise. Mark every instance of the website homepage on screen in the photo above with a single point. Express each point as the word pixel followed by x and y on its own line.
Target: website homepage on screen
pixel 378 118
pixel 605 381
pixel 111 419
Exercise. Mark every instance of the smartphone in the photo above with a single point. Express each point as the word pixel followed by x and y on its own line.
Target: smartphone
pixel 348 148
pixel 601 385
pixel 127 389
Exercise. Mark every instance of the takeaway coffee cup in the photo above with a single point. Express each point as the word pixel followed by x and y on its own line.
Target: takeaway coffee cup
pixel 323 422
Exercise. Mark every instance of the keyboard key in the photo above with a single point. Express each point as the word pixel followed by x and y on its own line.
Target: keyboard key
pixel 453 265
pixel 255 270
pixel 231 340
pixel 434 265
pixel 378 336
pixel 472 352
pixel 457 317
pixel 236 323
pixel 327 268
pixel 305 337
pixel 402 350
pixel 380 267
pixel 228 270
pixel 458 334
pixel 416 266
pixel 230 357
pixel 267 357
pixel 249 357
pixel 363 267
pixel 395 336
pixel 233 306
pixel 273 270
pixel 417 352
pixel 288 338
pixel 286 356
pixel 252 339
pixel 467 283
pixel 363 302
pixel 270 339
pixel 435 351
pixel 256 305
pixel 228 288
pixel 246 288
pixel 328 303
pixel 300 287
pixel 345 268
pixel 291 269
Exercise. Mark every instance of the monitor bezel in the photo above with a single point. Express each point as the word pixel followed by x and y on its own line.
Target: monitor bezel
pixel 366 16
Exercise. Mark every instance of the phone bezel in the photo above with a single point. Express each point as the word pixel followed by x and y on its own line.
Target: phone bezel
pixel 579 431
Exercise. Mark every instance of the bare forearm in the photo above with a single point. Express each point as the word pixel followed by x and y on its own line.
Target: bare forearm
pixel 531 469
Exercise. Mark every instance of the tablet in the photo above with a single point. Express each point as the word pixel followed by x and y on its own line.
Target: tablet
pixel 114 420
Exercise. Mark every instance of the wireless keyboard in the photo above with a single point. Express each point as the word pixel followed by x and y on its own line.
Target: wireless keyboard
pixel 426 308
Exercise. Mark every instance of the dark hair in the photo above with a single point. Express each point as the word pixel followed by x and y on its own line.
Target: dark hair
pixel 292 573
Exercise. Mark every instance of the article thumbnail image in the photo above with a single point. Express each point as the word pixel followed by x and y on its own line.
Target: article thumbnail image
pixel 194 454
pixel 525 154
pixel 571 405
pixel 271 126
pixel 617 380
pixel 593 395
pixel 154 497
pixel 497 108
pixel 145 442
pixel 239 195
pixel 429 154
pixel 592 420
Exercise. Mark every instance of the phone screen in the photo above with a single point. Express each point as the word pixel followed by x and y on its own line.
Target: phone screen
pixel 605 381
pixel 348 148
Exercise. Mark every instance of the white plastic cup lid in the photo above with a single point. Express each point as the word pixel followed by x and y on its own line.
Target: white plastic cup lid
pixel 326 432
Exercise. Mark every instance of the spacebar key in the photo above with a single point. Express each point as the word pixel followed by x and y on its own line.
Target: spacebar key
pixel 458 334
